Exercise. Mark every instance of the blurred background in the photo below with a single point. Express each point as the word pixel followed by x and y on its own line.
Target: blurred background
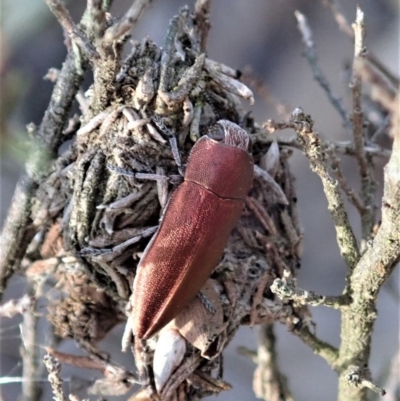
pixel 257 34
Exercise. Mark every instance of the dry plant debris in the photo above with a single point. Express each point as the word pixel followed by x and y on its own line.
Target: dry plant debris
pixel 80 220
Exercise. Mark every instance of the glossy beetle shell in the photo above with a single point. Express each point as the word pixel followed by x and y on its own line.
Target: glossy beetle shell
pixel 193 231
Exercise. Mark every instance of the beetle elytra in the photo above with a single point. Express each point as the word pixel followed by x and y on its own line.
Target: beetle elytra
pixel 193 230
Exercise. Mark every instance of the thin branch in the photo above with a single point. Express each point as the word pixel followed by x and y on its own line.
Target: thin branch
pixel 370 273
pixel 343 24
pixel 315 150
pixel 269 383
pixel 356 87
pixel 356 377
pixel 368 187
pixel 96 22
pixel 343 147
pixel 347 189
pixel 106 4
pixel 93 363
pixel 202 13
pixel 18 232
pixel 127 22
pixel 381 90
pixel 311 57
pixel 31 386
pixel 381 130
pixel 319 347
pixel 54 369
pixel 339 17
pixel 286 289
pixel 65 20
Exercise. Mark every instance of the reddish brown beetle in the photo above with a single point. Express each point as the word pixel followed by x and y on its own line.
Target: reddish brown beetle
pixel 193 230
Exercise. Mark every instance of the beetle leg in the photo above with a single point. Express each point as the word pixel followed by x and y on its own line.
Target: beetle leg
pixel 207 304
pixel 111 253
pixel 153 132
pixel 173 179
pixel 172 141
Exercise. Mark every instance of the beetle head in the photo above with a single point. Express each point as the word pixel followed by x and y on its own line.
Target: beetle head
pixel 230 133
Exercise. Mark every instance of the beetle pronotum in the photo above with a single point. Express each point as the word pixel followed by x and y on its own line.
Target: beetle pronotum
pixel 193 230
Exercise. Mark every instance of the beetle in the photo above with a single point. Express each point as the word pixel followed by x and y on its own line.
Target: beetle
pixel 193 230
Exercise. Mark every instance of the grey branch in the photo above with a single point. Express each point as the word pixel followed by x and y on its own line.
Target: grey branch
pixel 311 57
pixel 356 377
pixel 315 150
pixel 368 276
pixel 17 231
pixel 269 383
pixel 58 9
pixel 367 184
pixel 286 288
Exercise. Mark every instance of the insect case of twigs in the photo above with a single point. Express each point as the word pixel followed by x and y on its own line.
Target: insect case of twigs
pixel 139 124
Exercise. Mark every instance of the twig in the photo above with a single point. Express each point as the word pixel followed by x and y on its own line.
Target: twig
pixel 343 24
pixel 269 383
pixel 311 57
pixel 202 12
pixel 54 369
pixel 356 87
pixel 127 22
pixel 343 147
pixel 367 186
pixel 65 20
pixel 96 21
pixel 339 17
pixel 94 363
pixel 315 150
pixel 286 289
pixel 381 91
pixel 106 4
pixel 17 232
pixel 31 387
pixel 185 84
pixel 319 347
pixel 347 189
pixel 381 130
pixel 370 273
pixel 355 376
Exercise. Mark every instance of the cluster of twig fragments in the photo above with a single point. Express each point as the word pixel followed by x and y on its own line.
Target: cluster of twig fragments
pixel 81 218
